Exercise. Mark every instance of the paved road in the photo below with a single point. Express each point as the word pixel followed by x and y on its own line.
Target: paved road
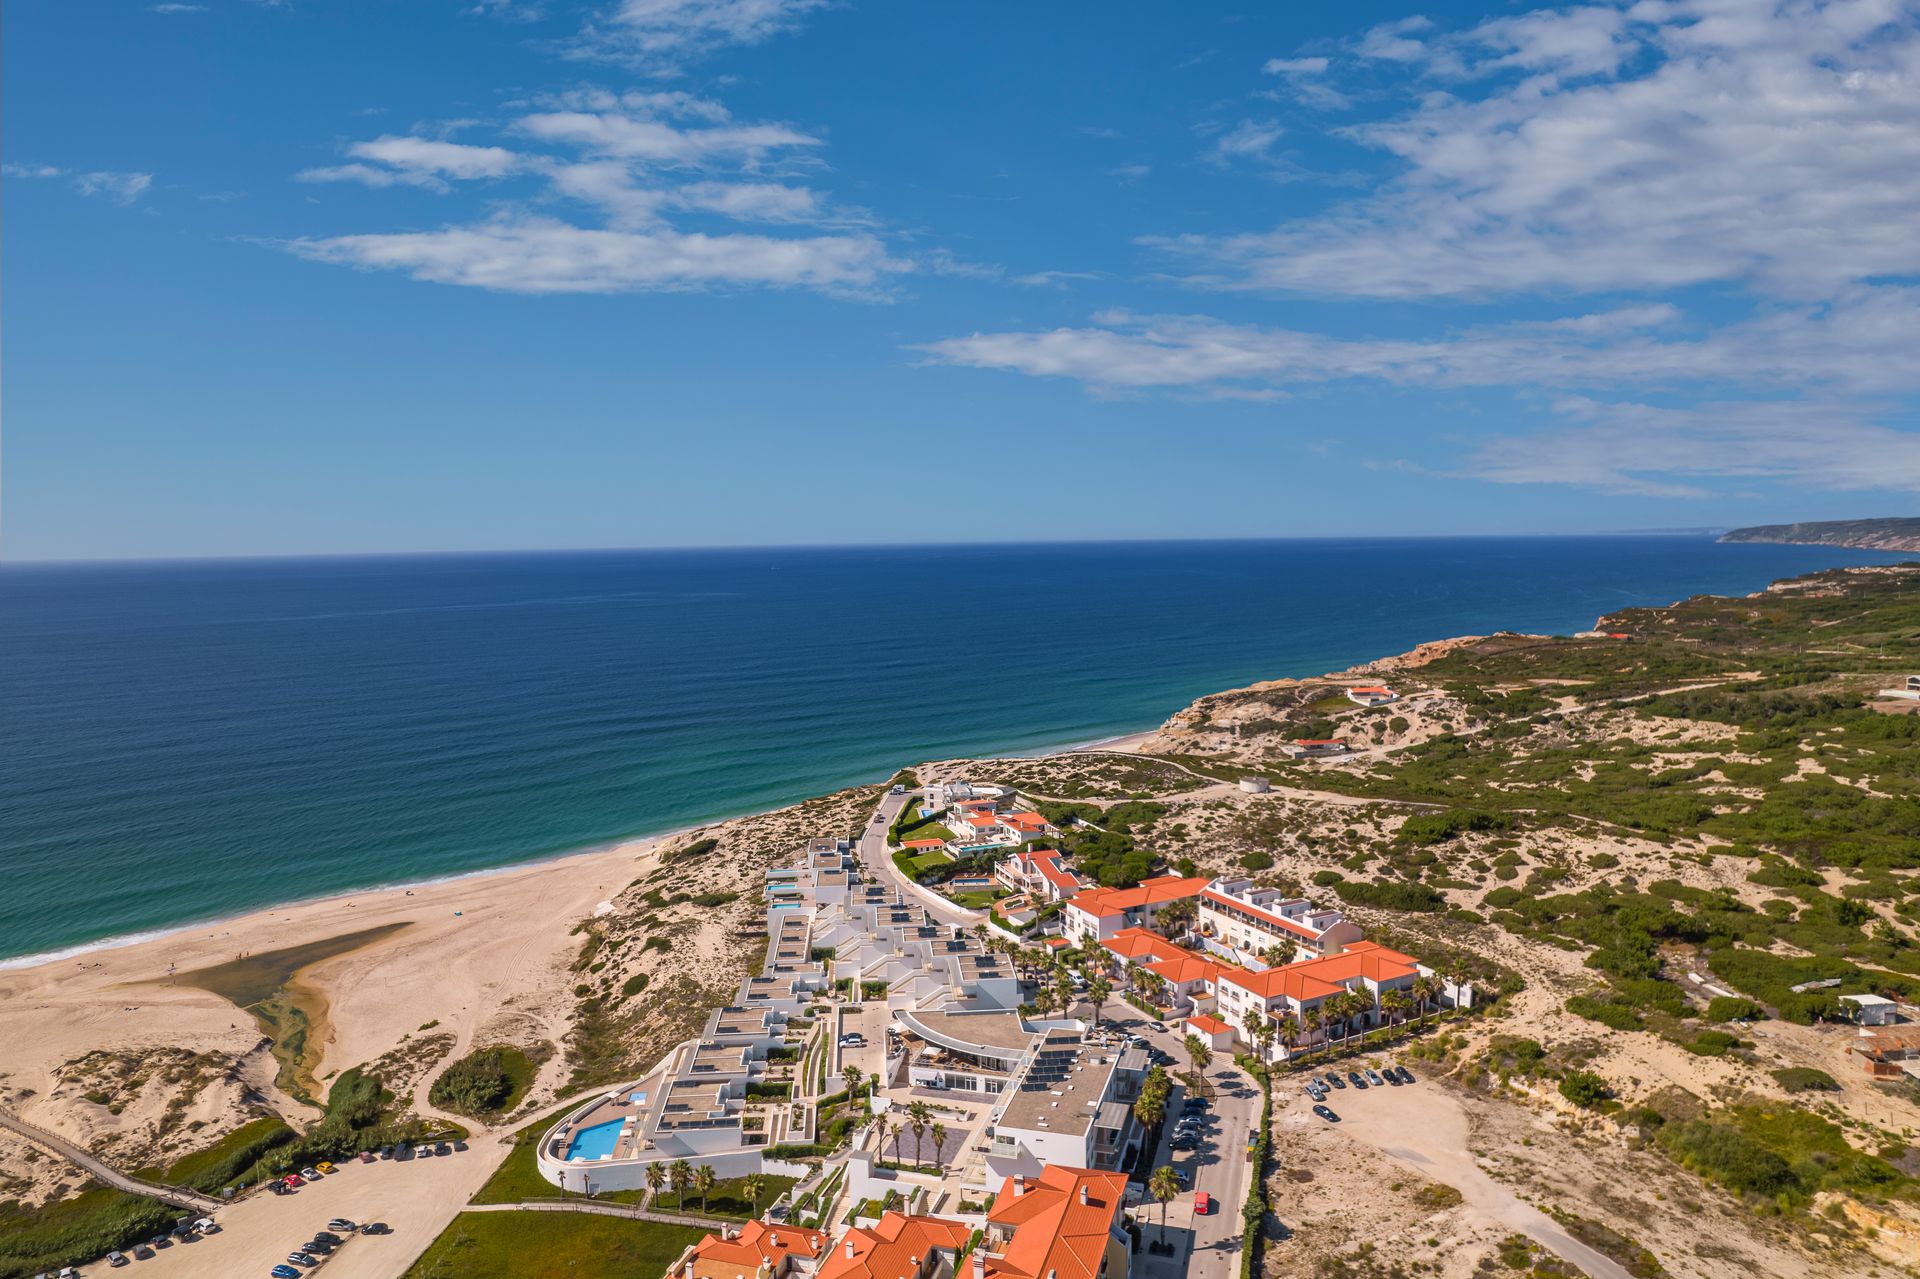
pixel 1209 1246
pixel 187 1200
pixel 879 864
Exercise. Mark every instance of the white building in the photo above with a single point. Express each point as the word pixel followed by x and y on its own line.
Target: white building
pixel 1070 1103
pixel 1240 922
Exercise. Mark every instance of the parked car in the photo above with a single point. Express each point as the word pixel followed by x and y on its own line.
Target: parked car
pixel 341 1223
pixel 1202 1203
pixel 1354 1078
pixel 118 1259
pixel 293 1179
pixel 206 1226
pixel 1391 1075
pixel 284 1272
pixel 142 1251
pixel 1373 1077
pixel 460 1146
pixel 1333 1077
pixel 317 1248
pixel 376 1228
pixel 1318 1082
pixel 366 1156
pixel 166 1241
pixel 303 1259
pixel 326 1168
pixel 311 1174
pixel 422 1152
pixel 1184 1143
pixel 1406 1076
pixel 327 1235
pixel 443 1149
pixel 1326 1114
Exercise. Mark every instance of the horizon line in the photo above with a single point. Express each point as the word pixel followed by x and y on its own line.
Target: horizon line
pixel 708 548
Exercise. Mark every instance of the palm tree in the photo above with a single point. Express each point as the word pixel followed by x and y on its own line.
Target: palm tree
pixel 1287 1029
pixel 1425 989
pixel 656 1178
pixel 882 1129
pixel 1200 1055
pixel 703 1179
pixel 939 1133
pixel 919 1115
pixel 679 1176
pixel 1311 1020
pixel 1273 956
pixel 1098 991
pixel 1256 1024
pixel 1395 1004
pixel 1164 1185
pixel 1150 1107
pixel 854 1077
pixel 755 1182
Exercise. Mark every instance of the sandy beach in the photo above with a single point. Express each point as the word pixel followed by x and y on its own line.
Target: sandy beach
pixel 470 953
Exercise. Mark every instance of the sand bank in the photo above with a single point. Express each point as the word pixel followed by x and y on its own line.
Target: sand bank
pixel 465 952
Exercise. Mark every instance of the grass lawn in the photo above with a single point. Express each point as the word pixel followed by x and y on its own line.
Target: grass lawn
pixel 517 1179
pixel 551 1245
pixel 728 1198
pixel 978 898
pixel 928 860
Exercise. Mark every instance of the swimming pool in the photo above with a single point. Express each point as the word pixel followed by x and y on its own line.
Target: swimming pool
pixel 596 1142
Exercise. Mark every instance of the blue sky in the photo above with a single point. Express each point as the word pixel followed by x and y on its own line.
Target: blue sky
pixel 318 277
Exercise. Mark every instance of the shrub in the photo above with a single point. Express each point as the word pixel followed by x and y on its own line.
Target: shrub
pixel 1805 1079
pixel 1732 1008
pixel 1437 828
pixel 1257 860
pixel 1584 1088
pixel 699 848
pixel 1394 895
pixel 483 1082
pixel 634 985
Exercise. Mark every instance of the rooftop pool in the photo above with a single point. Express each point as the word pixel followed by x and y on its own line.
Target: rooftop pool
pixel 596 1142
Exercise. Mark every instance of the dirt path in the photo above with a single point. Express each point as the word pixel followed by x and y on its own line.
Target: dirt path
pixel 189 1200
pixel 1425 1129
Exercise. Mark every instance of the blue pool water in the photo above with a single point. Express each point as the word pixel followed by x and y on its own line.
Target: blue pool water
pixel 595 1142
pixel 189 740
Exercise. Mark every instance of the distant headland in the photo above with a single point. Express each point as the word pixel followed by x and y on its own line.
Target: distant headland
pixel 1892 533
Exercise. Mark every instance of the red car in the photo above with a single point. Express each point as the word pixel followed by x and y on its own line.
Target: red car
pixel 1202 1203
pixel 293 1179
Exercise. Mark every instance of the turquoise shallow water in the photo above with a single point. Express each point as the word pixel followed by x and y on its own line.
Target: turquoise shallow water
pixel 181 741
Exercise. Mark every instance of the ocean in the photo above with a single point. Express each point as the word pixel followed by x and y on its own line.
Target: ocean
pixel 181 741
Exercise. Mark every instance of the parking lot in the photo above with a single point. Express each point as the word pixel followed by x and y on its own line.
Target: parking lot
pixel 1327 1089
pixel 416 1198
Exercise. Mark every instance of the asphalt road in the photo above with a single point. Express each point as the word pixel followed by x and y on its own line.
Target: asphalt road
pixel 1207 1247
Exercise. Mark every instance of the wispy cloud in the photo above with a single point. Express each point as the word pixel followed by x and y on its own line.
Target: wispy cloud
pixel 176 8
pixel 1677 143
pixel 121 188
pixel 660 37
pixel 539 255
pixel 643 162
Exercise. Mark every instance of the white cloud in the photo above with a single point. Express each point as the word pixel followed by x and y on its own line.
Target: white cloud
pixel 1651 451
pixel 121 188
pixel 1683 142
pixel 368 175
pixel 440 159
pixel 661 36
pixel 176 8
pixel 545 256
pixel 1248 140
pixel 1295 66
pixel 640 138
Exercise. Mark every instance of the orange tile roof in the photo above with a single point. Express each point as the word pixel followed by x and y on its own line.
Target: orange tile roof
pixel 1025 821
pixel 1106 902
pixel 1208 1025
pixel 1186 968
pixel 1053 1232
pixel 886 1251
pixel 1317 978
pixel 716 1257
pixel 1138 943
pixel 1058 943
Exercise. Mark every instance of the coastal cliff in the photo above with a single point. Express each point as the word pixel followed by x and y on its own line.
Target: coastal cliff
pixel 1891 533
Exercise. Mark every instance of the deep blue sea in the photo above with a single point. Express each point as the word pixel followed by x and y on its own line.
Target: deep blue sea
pixel 180 741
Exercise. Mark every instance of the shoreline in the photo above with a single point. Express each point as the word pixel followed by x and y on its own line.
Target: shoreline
pixel 120 941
